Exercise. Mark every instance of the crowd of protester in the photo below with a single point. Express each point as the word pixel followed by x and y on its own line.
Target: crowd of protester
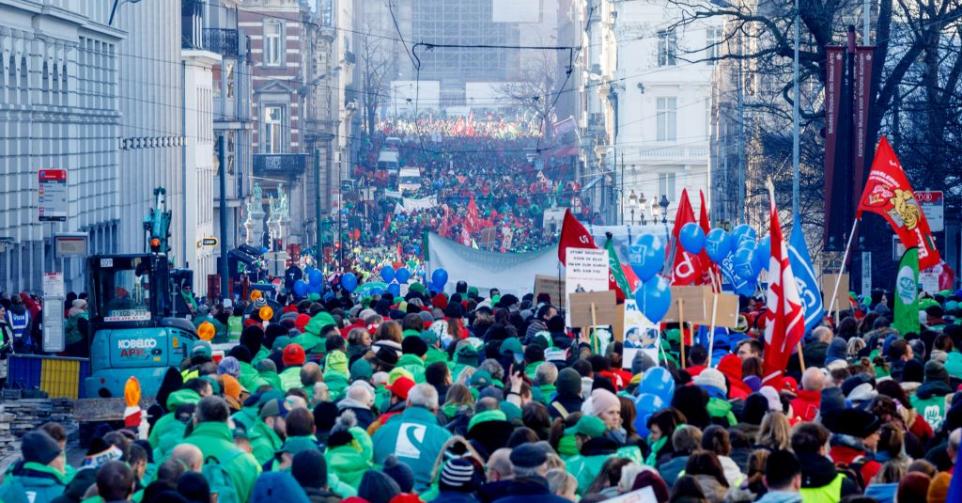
pixel 503 172
pixel 467 398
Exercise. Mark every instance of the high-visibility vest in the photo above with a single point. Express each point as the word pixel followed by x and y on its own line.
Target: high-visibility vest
pixel 829 493
pixel 18 323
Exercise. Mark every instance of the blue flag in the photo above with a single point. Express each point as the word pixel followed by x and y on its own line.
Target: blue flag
pixel 805 279
pixel 955 487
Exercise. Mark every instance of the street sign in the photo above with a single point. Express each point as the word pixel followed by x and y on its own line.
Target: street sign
pixel 208 242
pixel 932 203
pixel 70 244
pixel 53 195
pixel 866 273
pixel 53 330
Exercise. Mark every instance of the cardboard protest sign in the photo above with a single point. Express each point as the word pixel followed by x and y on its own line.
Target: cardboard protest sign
pixel 696 301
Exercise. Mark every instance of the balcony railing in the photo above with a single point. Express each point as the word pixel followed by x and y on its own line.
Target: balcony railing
pixel 223 41
pixel 290 165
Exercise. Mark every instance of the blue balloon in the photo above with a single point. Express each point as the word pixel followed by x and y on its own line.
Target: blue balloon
pixel 300 288
pixel 645 405
pixel 349 282
pixel 742 231
pixel 657 381
pixel 743 260
pixel 763 253
pixel 387 273
pixel 718 244
pixel 439 278
pixel 654 298
pixel 692 238
pixel 315 278
pixel 647 256
pixel 394 289
pixel 315 288
pixel 402 275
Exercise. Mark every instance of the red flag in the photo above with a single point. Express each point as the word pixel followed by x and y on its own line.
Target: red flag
pixel 574 235
pixel 686 269
pixel 784 315
pixel 705 225
pixel 471 220
pixel 888 193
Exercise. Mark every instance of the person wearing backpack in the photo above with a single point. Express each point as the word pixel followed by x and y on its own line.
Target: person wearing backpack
pixel 230 471
pixel 855 436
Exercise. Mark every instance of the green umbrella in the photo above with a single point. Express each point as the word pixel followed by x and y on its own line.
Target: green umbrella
pixel 371 288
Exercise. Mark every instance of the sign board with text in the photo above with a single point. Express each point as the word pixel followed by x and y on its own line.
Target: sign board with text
pixel 53 340
pixel 842 302
pixel 70 244
pixel 932 203
pixel 52 200
pixel 586 270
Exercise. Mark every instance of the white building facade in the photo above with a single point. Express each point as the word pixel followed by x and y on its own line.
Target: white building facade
pixel 58 109
pixel 662 96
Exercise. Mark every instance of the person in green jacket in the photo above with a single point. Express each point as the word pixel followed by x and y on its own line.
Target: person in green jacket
pixel 719 408
pixel 267 370
pixel 313 338
pixel 413 350
pixel 213 437
pixel 268 431
pixel 248 376
pixel 41 476
pixel 345 454
pixel 169 429
pixel 415 436
pixel 293 358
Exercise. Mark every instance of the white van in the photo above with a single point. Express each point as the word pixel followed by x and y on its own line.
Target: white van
pixel 388 160
pixel 409 180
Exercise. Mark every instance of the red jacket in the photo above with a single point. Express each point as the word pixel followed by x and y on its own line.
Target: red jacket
pixel 805 405
pixel 846 456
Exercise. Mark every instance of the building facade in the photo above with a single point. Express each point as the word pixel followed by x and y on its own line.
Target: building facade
pixel 59 108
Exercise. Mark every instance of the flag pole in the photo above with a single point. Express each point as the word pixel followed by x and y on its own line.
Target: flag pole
pixel 838 278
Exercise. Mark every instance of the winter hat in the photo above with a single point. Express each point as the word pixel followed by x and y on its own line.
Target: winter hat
pixel 400 472
pixel 266 365
pixel 341 432
pixel 386 357
pixel 309 468
pixel 935 371
pixel 401 387
pixel 280 343
pixel 300 323
pixel 241 353
pixel 600 401
pixel 377 487
pixel 712 378
pixel 230 366
pixel 39 447
pixel 859 387
pixel 854 422
pixel 466 354
pixel 771 396
pixel 914 486
pixel 459 474
pixel 232 391
pixel 194 487
pixel 361 369
pixel 293 355
pixel 273 408
pixel 201 349
pixel 837 350
pixel 589 426
pixel 939 488
pixel 528 455
pixel 275 486
pixel 325 415
pixel 569 382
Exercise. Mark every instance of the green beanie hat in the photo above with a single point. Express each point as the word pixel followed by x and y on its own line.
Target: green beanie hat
pixel 589 426
pixel 488 415
pixel 361 369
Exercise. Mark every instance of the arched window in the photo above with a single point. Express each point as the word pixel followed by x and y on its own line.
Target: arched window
pixel 45 84
pixel 24 85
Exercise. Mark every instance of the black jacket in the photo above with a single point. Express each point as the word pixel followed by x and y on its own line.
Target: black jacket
pixel 524 490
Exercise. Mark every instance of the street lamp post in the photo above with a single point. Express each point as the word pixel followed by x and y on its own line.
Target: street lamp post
pixel 632 203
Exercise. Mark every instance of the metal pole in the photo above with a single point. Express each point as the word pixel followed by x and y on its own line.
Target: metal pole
pixel 866 14
pixel 795 121
pixel 317 207
pixel 222 161
pixel 621 200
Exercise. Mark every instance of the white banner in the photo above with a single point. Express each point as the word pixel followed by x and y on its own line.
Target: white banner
pixel 510 272
pixel 409 204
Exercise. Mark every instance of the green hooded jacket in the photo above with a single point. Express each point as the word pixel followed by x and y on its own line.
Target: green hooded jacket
pixel 348 463
pixel 249 378
pixel 271 377
pixel 33 483
pixel 168 428
pixel 215 440
pixel 290 378
pixel 264 441
pixel 336 385
pixel 586 468
pixel 311 343
pixel 413 364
